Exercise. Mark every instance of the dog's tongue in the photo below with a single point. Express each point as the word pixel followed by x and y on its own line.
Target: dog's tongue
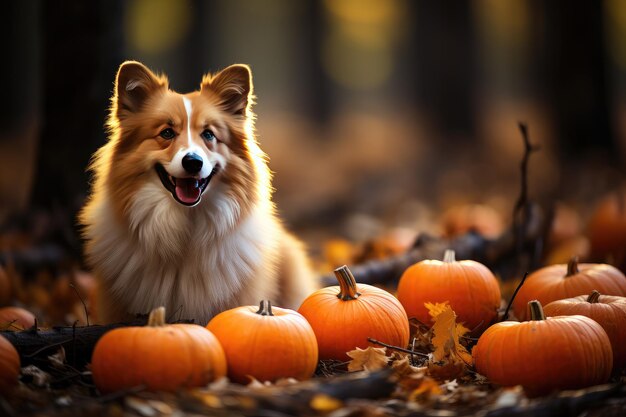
pixel 187 190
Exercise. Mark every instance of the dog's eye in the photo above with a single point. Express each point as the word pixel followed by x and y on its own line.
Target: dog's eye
pixel 167 133
pixel 207 135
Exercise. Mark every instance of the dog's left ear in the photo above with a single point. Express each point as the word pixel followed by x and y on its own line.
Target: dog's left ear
pixel 234 87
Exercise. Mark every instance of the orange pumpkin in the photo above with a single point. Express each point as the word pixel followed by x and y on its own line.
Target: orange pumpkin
pixel 9 366
pixel 607 227
pixel 266 343
pixel 344 316
pixel 16 318
pixel 470 288
pixel 609 311
pixel 5 287
pixel 159 356
pixel 557 282
pixel 544 355
pixel 478 218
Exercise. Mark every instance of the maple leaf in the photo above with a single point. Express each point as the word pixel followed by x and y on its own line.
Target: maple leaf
pixel 368 359
pixel 450 359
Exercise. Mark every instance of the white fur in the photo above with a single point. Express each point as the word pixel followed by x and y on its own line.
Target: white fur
pixel 193 262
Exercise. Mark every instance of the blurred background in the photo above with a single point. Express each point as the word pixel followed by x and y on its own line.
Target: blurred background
pixel 377 115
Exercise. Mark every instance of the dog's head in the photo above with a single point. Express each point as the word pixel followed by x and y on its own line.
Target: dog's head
pixel 187 143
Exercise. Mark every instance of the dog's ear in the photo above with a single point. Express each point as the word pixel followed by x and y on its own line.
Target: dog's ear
pixel 233 85
pixel 133 85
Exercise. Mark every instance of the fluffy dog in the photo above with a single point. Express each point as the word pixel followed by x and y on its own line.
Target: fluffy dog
pixel 180 213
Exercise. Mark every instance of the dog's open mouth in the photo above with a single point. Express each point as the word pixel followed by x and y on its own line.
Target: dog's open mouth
pixel 187 191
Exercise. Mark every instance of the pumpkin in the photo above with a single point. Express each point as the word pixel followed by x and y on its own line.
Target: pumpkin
pixel 159 356
pixel 478 218
pixel 16 318
pixel 607 227
pixel 266 343
pixel 545 354
pixel 470 288
pixel 9 366
pixel 556 282
pixel 343 317
pixel 5 287
pixel 609 311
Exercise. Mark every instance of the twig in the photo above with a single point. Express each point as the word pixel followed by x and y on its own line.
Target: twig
pixel 44 348
pixel 72 286
pixel 409 351
pixel 508 307
pixel 520 210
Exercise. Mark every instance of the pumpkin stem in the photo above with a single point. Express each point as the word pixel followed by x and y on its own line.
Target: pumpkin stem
pixel 157 317
pixel 572 267
pixel 593 297
pixel 536 311
pixel 449 256
pixel 347 284
pixel 265 308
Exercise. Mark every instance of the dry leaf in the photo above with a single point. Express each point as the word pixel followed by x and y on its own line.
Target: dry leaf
pixel 434 309
pixel 428 387
pixel 368 359
pixel 402 366
pixel 447 333
pixel 450 359
pixel 408 377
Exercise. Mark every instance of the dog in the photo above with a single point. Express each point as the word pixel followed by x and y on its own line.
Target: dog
pixel 180 212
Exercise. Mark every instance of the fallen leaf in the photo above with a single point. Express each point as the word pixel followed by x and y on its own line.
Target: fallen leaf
pixel 450 359
pixel 427 388
pixel 434 309
pixel 368 359
pixel 408 377
pixel 446 336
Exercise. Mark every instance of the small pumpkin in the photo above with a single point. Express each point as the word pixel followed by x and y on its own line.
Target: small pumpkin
pixel 608 310
pixel 607 227
pixel 545 354
pixel 9 366
pixel 556 282
pixel 16 318
pixel 479 218
pixel 266 343
pixel 344 316
pixel 159 356
pixel 470 288
pixel 5 287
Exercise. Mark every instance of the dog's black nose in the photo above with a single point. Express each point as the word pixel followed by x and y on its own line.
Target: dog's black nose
pixel 192 163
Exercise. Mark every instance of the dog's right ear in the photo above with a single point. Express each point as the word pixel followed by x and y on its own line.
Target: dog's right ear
pixel 133 85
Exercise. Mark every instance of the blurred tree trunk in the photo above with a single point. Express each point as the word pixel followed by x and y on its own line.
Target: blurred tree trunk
pixel 444 58
pixel 20 117
pixel 577 82
pixel 82 46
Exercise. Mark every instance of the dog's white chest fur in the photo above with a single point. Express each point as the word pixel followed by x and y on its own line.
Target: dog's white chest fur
pixel 195 261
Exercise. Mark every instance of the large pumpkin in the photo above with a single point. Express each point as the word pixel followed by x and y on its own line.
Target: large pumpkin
pixel 470 288
pixel 9 366
pixel 159 356
pixel 266 343
pixel 557 282
pixel 344 316
pixel 608 310
pixel 545 354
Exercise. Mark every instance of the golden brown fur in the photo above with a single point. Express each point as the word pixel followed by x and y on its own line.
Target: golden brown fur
pixel 146 248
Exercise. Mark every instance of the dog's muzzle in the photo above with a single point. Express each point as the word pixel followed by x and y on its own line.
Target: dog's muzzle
pixel 187 191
